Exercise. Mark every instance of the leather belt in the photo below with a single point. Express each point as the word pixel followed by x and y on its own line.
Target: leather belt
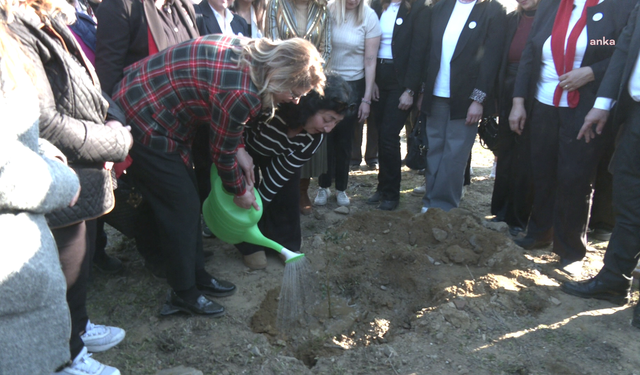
pixel 385 61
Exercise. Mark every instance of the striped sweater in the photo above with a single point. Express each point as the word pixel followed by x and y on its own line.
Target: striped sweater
pixel 269 139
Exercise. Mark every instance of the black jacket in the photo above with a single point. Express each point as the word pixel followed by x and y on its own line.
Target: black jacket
pixel 72 116
pixel 614 17
pixel 409 44
pixel 476 59
pixel 208 24
pixel 615 83
pixel 123 30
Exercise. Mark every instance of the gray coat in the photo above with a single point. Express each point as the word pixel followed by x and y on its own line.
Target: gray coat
pixel 35 323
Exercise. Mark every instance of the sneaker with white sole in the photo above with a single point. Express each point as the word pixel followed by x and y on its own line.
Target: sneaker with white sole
pixel 424 210
pixel 420 190
pixel 98 338
pixel 342 198
pixel 83 364
pixel 321 198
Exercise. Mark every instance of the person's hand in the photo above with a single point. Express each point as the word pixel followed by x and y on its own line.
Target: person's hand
pixel 406 101
pixel 597 117
pixel 246 200
pixel 75 198
pixel 363 111
pixel 245 161
pixel 375 93
pixel 576 78
pixel 474 114
pixel 518 116
pixel 114 124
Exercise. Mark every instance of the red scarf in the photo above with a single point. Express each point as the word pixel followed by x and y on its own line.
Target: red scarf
pixel 563 60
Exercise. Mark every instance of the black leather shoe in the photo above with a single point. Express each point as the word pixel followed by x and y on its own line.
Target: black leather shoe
pixel 202 306
pixel 375 198
pixel 598 289
pixel 515 231
pixel 636 316
pixel 388 205
pixel 529 243
pixel 217 288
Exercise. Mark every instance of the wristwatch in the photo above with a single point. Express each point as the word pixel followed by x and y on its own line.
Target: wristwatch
pixel 409 91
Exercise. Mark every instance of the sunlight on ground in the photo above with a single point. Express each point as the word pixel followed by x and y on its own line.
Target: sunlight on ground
pixel 518 334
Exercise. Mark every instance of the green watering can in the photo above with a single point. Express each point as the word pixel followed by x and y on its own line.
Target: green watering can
pixel 233 224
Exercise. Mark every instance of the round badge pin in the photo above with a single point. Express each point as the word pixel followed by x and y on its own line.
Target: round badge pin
pixel 399 21
pixel 597 17
pixel 472 24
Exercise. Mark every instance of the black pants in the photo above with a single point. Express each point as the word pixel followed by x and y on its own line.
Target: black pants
pixel 76 244
pixel 563 173
pixel 170 190
pixel 339 143
pixel 389 120
pixel 602 215
pixel 280 219
pixel 512 196
pixel 623 252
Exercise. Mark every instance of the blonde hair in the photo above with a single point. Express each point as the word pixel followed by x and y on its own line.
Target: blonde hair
pixel 338 9
pixel 282 65
pixel 46 9
pixel 13 59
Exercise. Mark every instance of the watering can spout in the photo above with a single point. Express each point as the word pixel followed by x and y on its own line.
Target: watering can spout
pixel 254 236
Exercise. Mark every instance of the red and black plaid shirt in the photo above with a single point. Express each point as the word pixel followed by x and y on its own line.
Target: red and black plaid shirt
pixel 168 95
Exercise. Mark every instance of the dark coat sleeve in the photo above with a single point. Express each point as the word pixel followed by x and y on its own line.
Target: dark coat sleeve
pixel 114 35
pixel 419 49
pixel 492 46
pixel 612 80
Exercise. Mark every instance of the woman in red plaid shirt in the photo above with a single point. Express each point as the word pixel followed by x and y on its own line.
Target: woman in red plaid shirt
pixel 223 82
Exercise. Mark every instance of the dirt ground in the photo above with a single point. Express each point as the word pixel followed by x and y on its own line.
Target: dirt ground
pixel 396 292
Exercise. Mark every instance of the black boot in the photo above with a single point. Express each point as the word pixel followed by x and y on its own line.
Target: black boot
pixel 604 285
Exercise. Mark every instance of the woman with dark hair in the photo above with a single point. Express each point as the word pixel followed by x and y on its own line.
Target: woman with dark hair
pixel 280 146
pixel 512 191
pixel 310 20
pixel 559 74
pixel 403 46
pixel 467 38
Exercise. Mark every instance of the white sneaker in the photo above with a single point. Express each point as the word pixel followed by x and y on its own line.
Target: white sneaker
pixel 493 170
pixel 83 364
pixel 98 338
pixel 321 198
pixel 342 198
pixel 424 210
pixel 420 190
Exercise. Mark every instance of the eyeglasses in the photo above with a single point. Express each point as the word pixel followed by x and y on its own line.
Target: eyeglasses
pixel 295 96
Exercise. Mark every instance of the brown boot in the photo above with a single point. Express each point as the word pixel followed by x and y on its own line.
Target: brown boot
pixel 305 202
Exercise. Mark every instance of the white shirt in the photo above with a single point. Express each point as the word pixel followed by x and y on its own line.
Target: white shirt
pixel 225 24
pixel 255 30
pixel 634 82
pixel 387 23
pixel 456 24
pixel 549 78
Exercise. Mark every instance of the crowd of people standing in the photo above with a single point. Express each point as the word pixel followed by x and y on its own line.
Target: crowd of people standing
pixel 276 93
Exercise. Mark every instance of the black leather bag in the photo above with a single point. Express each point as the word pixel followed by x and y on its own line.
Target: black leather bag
pixel 417 144
pixel 124 215
pixel 488 132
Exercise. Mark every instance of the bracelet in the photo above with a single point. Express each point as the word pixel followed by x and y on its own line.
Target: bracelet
pixel 366 101
pixel 478 96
